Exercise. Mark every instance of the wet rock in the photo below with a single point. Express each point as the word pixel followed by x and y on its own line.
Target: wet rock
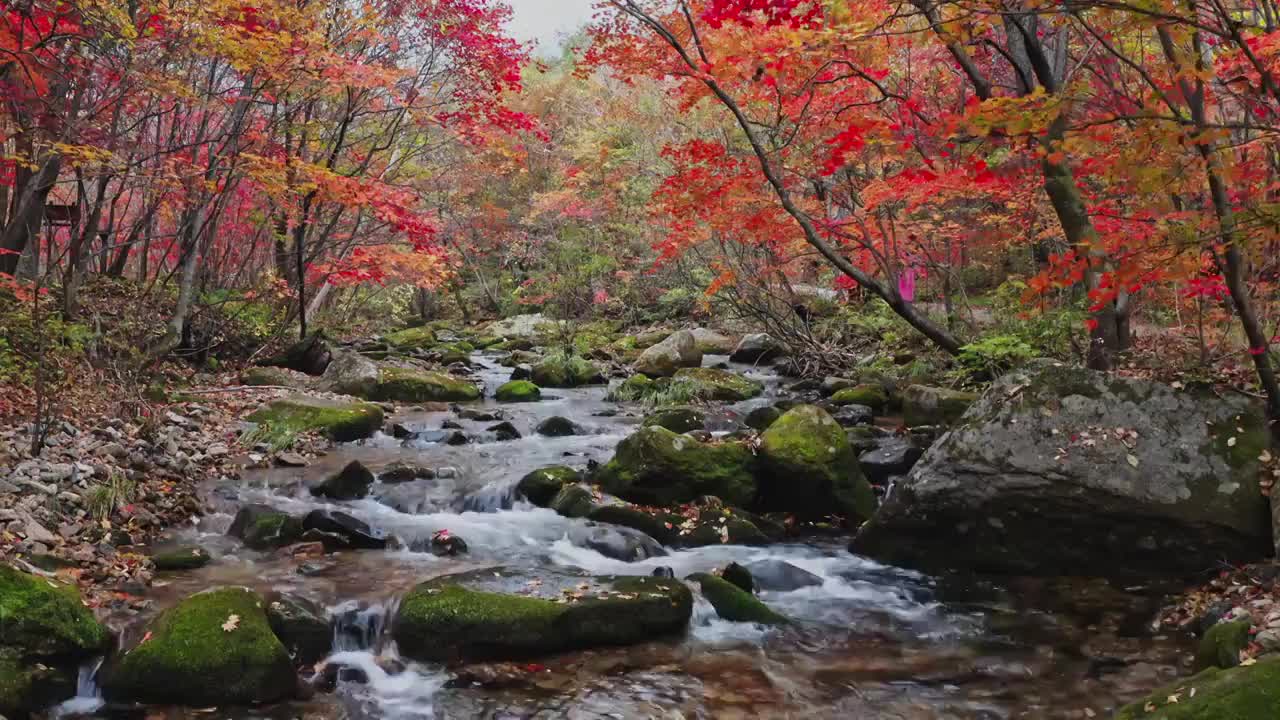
pixel 521 371
pixel 762 417
pixel 655 466
pixel 781 576
pixel 450 425
pixel 739 576
pixel 810 469
pixel 46 620
pixel 923 405
pixel 187 557
pixel 756 348
pixel 263 528
pixel 505 431
pixel 853 415
pixel 556 426
pixel 401 431
pixel 573 501
pixel 734 604
pixel 479 415
pixel 458 618
pixel 892 457
pixel 340 421
pixel 302 626
pixel 343 532
pixel 678 350
pixel 446 544
pixel 518 391
pixel 617 543
pixel 541 486
pixel 402 472
pixel 350 483
pixel 663 572
pixel 1059 470
pixel 191 658
pixel 492 676
pixel 679 419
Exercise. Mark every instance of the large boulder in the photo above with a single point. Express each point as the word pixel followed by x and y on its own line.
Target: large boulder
pixel 310 356
pixel 528 327
pixel 924 405
pixel 679 350
pixel 810 469
pixel 1059 470
pixel 213 648
pixel 710 342
pixel 713 384
pixel 339 421
pixel 655 466
pixel 756 348
pixel 479 617
pixel 350 373
pixel 405 385
pixel 564 370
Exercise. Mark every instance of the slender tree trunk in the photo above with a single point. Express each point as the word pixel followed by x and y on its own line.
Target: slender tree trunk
pixel 28 215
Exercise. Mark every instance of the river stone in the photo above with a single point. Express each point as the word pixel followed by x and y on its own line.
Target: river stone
pixel 756 348
pixel 562 370
pixel 340 531
pixel 893 456
pixel 781 576
pixel 557 426
pixel 762 417
pixel 191 658
pixel 340 421
pixel 1059 470
pixel 679 419
pixel 655 466
pixel 518 391
pixel 616 543
pixel 186 557
pixel 414 338
pixel 679 350
pixel 480 617
pixel 853 415
pixel 399 384
pixel 572 501
pixel 276 376
pixel 924 405
pixel 522 327
pixel 1242 693
pixel 541 486
pixel 504 431
pixel 264 528
pixel 739 576
pixel 734 604
pixel 710 342
pixel 872 396
pixel 402 472
pixel 302 627
pixel 712 384
pixel 350 483
pixel 810 469
pixel 350 373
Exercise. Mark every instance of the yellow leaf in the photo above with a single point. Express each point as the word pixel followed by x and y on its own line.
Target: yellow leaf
pixel 233 622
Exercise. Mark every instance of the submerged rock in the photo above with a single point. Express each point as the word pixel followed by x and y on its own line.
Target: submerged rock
pixel 678 350
pixel 401 472
pixel 810 469
pixel 1062 470
pixel 340 421
pixel 265 528
pixel 467 618
pixel 556 426
pixel 352 482
pixel 617 543
pixel 655 466
pixel 781 576
pixel 733 603
pixel 504 431
pixel 213 648
pixel 340 531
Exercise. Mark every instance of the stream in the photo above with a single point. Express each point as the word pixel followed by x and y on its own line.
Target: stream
pixel 870 641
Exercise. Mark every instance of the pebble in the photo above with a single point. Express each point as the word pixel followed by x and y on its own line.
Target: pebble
pixel 36 532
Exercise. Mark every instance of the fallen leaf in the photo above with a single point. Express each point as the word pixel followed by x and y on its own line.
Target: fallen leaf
pixel 233 622
pixel 1132 460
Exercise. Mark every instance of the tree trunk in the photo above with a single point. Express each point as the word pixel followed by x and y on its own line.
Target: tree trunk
pixel 28 214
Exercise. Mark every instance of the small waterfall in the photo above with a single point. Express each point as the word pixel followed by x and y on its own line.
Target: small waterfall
pixel 491 498
pixel 88 698
pixel 360 626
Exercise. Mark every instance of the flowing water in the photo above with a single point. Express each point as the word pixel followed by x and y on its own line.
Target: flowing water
pixel 870 641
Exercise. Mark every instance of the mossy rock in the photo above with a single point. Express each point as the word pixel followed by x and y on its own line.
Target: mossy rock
pixel 1242 693
pixel 262 528
pixel 562 370
pixel 720 526
pixel 655 466
pixel 810 469
pixel 649 338
pixel 924 405
pixel 722 385
pixel 444 619
pixel 213 648
pixel 660 526
pixel 406 385
pixel 514 345
pixel 340 421
pixel 1221 645
pixel 484 342
pixel 259 376
pixel 188 557
pixel 28 686
pixel 733 603
pixel 872 396
pixel 302 628
pixel 725 526
pixel 678 419
pixel 412 338
pixel 633 388
pixel 573 501
pixel 762 417
pixel 45 618
pixel 541 486
pixel 518 391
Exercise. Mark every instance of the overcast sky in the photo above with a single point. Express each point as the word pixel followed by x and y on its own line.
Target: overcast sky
pixel 547 21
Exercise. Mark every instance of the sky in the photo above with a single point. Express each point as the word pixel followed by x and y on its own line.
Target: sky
pixel 547 21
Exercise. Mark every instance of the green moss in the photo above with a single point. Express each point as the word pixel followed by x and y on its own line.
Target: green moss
pixel 573 501
pixel 810 467
pixel 1242 693
pixel 27 686
pixel 723 527
pixel 518 391
pixel 662 528
pixel 722 385
pixel 733 603
pixel 515 345
pixel 484 342
pixel 761 418
pixel 412 338
pixel 872 396
pixel 923 405
pixel 342 422
pixel 191 658
pixel 633 388
pixel 1221 645
pixel 1242 440
pixel 183 558
pixel 258 376
pixel 677 419
pixel 655 466
pixel 541 486
pixel 272 530
pixel 565 370
pixel 443 620
pixel 405 385
pixel 44 617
